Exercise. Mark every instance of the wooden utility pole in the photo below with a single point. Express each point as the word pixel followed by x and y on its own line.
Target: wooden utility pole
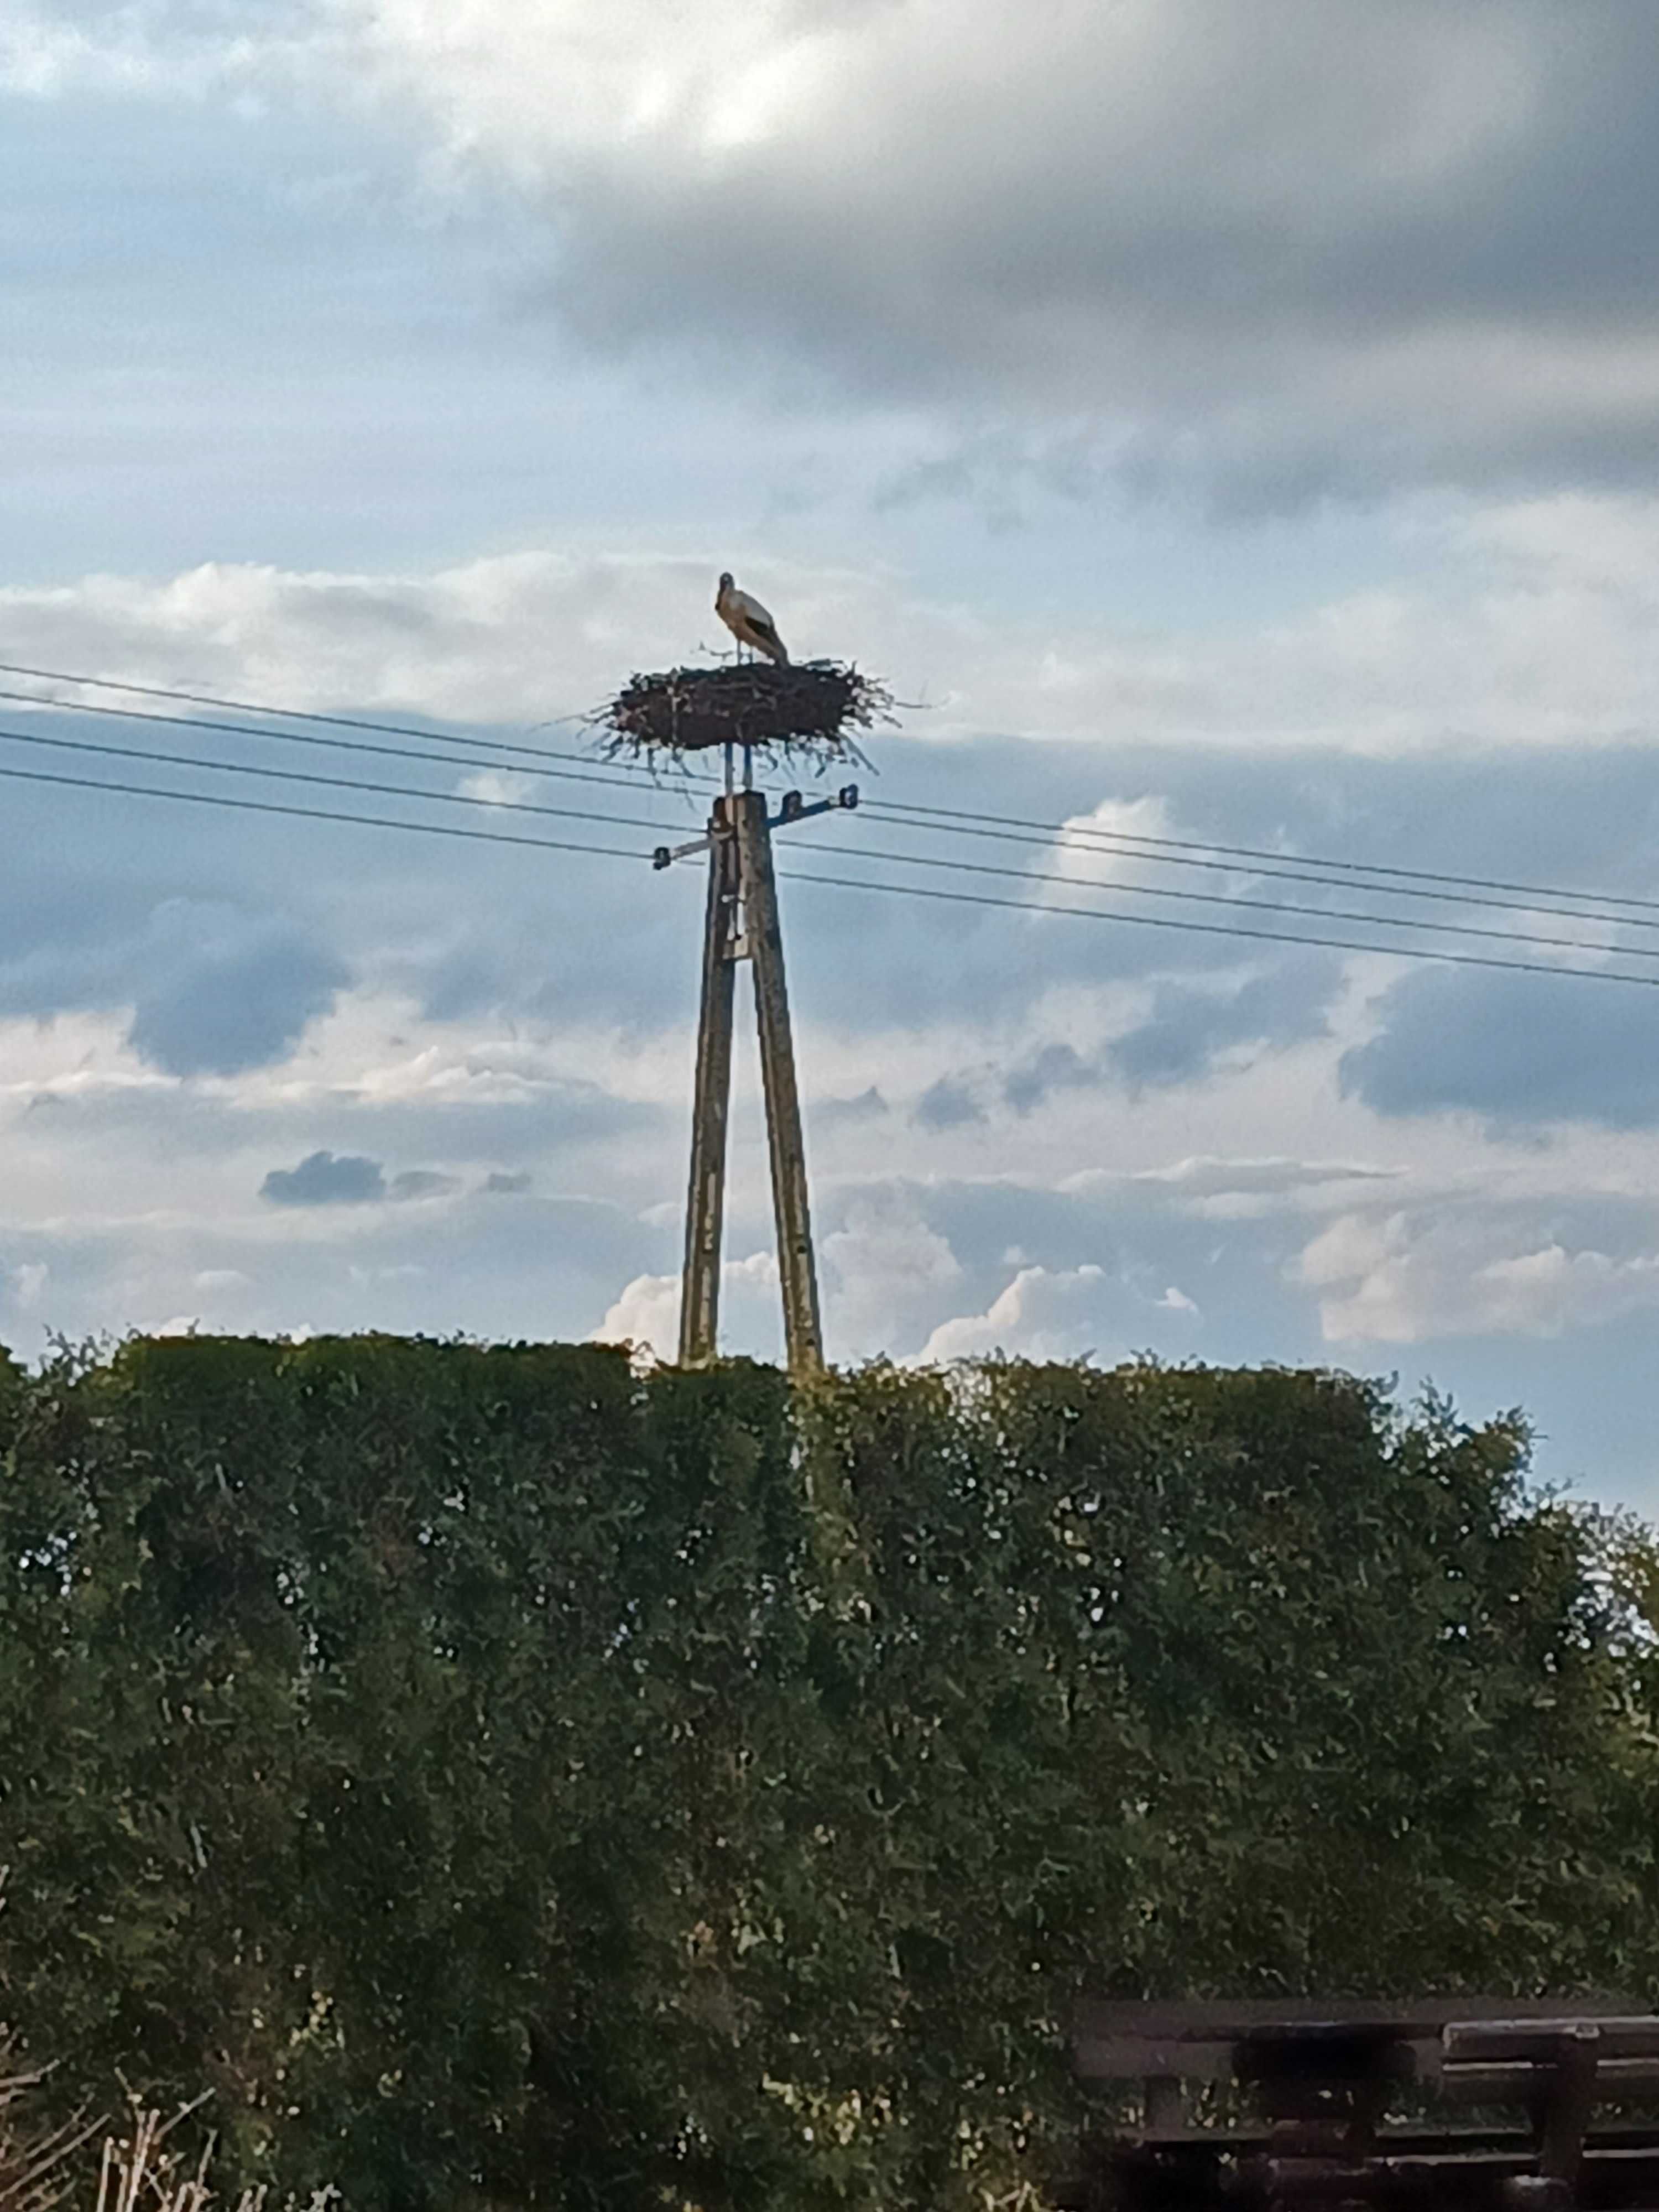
pixel 705 1204
pixel 802 1329
pixel 741 922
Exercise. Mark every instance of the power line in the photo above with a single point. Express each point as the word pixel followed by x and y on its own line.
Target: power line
pixel 593 775
pixel 1053 830
pixel 327 814
pixel 295 714
pixel 907 860
pixel 839 883
pixel 332 782
pixel 967 822
pixel 1167 851
pixel 1111 844
pixel 1067 840
pixel 1259 906
pixel 1221 929
pixel 402 753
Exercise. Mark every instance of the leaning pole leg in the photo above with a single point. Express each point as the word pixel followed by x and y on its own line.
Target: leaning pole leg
pixel 700 1293
pixel 803 1330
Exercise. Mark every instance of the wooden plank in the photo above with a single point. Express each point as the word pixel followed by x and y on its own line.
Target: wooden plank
pixel 1517 2081
pixel 1133 2059
pixel 1209 2020
pixel 1126 2058
pixel 1492 2042
pixel 1114 2041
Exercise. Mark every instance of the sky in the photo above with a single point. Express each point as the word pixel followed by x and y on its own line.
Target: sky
pixel 1234 422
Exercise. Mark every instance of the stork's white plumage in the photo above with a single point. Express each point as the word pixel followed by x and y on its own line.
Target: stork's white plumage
pixel 748 620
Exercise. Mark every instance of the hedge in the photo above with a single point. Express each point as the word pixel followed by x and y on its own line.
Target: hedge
pixel 505 1779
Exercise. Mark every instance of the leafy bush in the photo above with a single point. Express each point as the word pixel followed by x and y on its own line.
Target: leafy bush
pixel 507 1779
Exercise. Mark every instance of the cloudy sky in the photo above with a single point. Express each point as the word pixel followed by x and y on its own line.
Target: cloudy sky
pixel 1228 421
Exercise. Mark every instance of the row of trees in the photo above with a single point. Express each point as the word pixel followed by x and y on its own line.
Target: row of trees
pixel 505 1779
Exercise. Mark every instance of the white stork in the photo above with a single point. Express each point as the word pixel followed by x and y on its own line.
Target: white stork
pixel 748 620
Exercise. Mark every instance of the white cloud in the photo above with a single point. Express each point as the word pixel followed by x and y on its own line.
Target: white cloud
pixel 1041 1314
pixel 498 786
pixel 167 49
pixel 1206 1178
pixel 1114 843
pixel 886 1271
pixel 647 1315
pixel 1538 622
pixel 1403 1278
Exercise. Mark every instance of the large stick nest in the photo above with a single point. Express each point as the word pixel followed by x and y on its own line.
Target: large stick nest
pixel 804 710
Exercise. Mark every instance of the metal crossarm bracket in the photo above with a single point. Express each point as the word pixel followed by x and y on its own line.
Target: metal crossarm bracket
pixel 793 809
pixel 664 856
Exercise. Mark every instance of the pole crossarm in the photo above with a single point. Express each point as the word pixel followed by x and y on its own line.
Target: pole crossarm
pixel 793 809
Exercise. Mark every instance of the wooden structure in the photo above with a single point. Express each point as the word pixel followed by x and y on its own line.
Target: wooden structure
pixel 1440 2104
pixel 741 923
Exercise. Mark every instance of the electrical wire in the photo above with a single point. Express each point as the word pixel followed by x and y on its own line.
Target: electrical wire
pixel 295 715
pixel 1052 829
pixel 832 882
pixel 152 757
pixel 332 783
pixel 966 821
pixel 1402 882
pixel 1221 929
pixel 591 775
pixel 1254 905
pixel 328 814
pixel 1111 844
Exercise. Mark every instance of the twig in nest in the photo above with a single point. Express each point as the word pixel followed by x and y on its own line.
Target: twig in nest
pixel 803 711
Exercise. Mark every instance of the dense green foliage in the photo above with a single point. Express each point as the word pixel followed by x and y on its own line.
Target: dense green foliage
pixel 507 1779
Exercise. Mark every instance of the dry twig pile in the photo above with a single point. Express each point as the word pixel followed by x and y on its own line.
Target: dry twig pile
pixel 807 710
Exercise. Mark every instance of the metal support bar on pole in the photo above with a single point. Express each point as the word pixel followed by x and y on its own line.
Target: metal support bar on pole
pixel 803 1329
pixel 706 1200
pixel 795 809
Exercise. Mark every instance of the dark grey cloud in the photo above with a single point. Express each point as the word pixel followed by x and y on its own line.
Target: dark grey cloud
pixel 499 1183
pixel 327 1179
pixel 227 1000
pixel 949 1103
pixel 1521 1051
pixel 867 1106
pixel 1275 254
pixel 422 1182
pixel 1053 1067
pixel 1190 1030
pixel 96 914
